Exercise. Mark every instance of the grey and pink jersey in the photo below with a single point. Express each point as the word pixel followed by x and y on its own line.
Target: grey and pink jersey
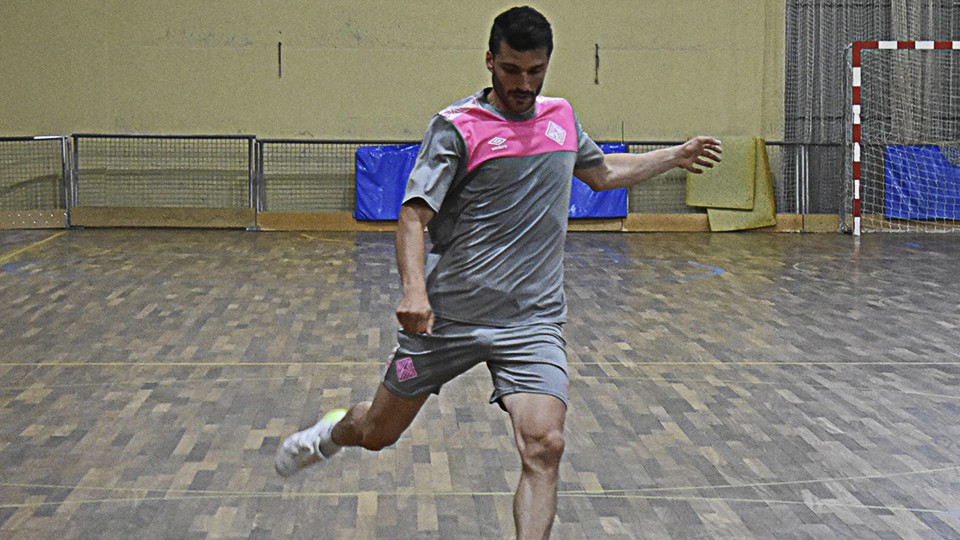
pixel 500 187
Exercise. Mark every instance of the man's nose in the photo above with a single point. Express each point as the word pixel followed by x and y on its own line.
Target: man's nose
pixel 526 82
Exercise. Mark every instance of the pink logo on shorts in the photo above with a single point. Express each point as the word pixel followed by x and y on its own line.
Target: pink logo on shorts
pixel 405 369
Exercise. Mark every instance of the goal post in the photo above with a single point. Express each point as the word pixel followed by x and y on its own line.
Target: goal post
pixel 904 137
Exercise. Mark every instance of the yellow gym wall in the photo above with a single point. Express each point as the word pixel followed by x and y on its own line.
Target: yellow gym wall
pixel 376 70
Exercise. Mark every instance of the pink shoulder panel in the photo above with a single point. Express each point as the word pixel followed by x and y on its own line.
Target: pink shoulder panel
pixel 488 136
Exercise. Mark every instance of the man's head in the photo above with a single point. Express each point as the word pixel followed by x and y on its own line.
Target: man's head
pixel 521 42
pixel 523 29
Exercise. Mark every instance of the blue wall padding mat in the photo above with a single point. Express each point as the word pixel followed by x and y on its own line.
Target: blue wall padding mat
pixel 920 183
pixel 382 173
pixel 586 203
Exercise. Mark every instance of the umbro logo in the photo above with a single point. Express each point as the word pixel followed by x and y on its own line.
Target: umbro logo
pixel 556 133
pixel 497 143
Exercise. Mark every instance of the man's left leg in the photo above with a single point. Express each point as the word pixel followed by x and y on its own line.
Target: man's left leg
pixel 538 428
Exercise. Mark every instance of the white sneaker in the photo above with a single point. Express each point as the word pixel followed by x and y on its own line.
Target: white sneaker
pixel 310 446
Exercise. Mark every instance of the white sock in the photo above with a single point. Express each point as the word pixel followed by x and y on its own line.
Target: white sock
pixel 327 446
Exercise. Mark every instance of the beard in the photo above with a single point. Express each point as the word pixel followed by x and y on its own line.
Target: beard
pixel 515 101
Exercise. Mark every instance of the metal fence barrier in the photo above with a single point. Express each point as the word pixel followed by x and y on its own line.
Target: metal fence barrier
pixel 33 172
pixel 307 175
pixel 100 171
pixel 163 171
pixel 34 180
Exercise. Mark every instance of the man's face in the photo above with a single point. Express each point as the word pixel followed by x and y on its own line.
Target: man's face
pixel 517 77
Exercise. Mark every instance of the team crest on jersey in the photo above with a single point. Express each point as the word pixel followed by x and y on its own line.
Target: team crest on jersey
pixel 497 143
pixel 556 133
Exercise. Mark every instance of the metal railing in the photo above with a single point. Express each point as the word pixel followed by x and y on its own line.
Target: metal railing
pixel 155 171
pixel 310 176
pixel 34 173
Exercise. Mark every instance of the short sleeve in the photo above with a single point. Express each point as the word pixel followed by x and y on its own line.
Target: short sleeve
pixel 438 161
pixel 589 153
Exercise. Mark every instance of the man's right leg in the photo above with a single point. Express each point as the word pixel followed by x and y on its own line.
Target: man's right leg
pixel 420 365
pixel 370 425
pixel 378 424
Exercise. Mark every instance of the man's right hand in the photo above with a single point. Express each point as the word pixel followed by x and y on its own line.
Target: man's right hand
pixel 415 314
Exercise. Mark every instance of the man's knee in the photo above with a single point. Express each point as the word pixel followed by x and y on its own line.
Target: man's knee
pixel 376 440
pixel 542 449
pixel 378 424
pixel 371 435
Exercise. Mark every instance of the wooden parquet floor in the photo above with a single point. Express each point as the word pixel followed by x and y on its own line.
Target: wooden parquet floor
pixel 722 386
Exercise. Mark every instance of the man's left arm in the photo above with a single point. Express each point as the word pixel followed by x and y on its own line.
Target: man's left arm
pixel 625 170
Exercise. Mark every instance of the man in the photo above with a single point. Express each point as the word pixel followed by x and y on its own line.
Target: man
pixel 492 186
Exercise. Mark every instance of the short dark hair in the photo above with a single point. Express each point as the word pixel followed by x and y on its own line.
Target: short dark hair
pixel 523 28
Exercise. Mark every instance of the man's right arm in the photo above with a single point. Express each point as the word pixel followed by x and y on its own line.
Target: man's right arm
pixel 414 312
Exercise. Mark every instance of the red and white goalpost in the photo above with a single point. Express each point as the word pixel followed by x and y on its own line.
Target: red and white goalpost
pixel 904 146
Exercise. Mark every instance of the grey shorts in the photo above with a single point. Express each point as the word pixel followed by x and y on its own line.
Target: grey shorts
pixel 528 359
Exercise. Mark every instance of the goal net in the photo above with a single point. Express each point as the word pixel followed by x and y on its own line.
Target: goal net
pixel 904 140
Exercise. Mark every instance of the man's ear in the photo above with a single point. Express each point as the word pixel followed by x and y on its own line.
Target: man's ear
pixel 490 61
